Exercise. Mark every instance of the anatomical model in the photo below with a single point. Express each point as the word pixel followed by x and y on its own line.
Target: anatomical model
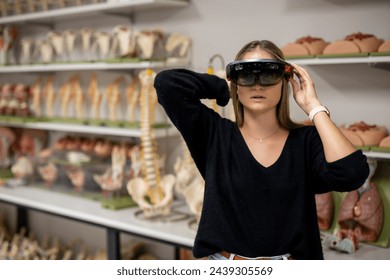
pixel 133 92
pixel 44 50
pixel 146 41
pixel 67 96
pixel 189 181
pixel 101 40
pixel 49 96
pixel 113 95
pixel 7 138
pixel 22 96
pixel 26 45
pixel 112 179
pixel 8 103
pixel 86 37
pixel 26 147
pixel 57 41
pixel 95 97
pixel 70 38
pixel 48 172
pixel 36 92
pixel 325 210
pixel 77 178
pixel 152 193
pixel 177 45
pixel 78 97
pixel 360 216
pixel 8 35
pixel 122 40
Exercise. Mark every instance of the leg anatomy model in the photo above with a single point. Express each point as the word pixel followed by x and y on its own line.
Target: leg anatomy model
pixel 132 91
pixel 95 97
pixel 113 95
pixel 50 96
pixel 152 193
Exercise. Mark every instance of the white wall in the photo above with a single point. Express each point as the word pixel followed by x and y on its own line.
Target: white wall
pixel 352 92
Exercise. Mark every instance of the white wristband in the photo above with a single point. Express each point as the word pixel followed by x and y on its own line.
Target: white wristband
pixel 316 110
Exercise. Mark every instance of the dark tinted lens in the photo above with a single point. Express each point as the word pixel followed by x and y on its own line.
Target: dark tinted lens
pixel 246 79
pixel 271 74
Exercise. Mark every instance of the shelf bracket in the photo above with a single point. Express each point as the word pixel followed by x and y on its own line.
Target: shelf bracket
pixel 113 246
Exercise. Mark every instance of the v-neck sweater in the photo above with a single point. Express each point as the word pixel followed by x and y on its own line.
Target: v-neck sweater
pixel 249 209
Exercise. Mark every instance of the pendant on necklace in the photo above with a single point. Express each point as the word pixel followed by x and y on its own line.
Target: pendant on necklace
pixel 260 141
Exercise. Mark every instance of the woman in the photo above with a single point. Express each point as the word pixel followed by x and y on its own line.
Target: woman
pixel 263 170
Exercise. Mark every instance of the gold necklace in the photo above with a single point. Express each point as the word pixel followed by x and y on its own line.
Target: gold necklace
pixel 260 140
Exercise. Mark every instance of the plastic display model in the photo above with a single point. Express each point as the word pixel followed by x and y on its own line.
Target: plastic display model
pixel 152 193
pixel 360 217
pixel 95 97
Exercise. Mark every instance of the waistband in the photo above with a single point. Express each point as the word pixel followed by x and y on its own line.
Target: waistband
pixel 232 256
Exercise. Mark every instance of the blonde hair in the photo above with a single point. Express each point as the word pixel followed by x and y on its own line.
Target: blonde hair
pixel 282 108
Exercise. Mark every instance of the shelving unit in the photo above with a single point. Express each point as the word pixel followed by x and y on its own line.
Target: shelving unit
pixel 341 60
pixel 87 211
pixel 123 8
pixel 28 198
pixel 92 66
pixel 91 129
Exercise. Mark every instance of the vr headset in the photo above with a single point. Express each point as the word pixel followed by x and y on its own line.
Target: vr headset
pixel 265 72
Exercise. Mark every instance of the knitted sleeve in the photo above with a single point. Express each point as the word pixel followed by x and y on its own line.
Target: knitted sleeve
pixel 345 174
pixel 180 91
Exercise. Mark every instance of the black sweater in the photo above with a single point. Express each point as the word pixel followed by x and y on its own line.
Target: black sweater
pixel 249 209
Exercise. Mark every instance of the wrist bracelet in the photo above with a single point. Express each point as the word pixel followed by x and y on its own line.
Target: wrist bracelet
pixel 316 110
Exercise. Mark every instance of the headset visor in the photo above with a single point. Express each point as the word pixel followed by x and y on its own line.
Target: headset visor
pixel 265 72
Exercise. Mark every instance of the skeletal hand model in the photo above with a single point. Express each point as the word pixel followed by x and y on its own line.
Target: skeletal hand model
pixel 152 193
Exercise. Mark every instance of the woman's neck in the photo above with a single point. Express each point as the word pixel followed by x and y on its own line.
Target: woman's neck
pixel 261 124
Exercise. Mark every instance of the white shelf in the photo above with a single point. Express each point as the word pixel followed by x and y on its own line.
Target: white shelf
pixel 90 129
pixel 121 7
pixel 341 60
pixel 365 252
pixel 378 155
pixel 90 211
pixel 87 66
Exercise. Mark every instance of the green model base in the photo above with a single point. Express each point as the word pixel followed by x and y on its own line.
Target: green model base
pixel 382 181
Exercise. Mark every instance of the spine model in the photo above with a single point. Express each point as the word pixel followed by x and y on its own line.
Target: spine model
pixel 152 193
